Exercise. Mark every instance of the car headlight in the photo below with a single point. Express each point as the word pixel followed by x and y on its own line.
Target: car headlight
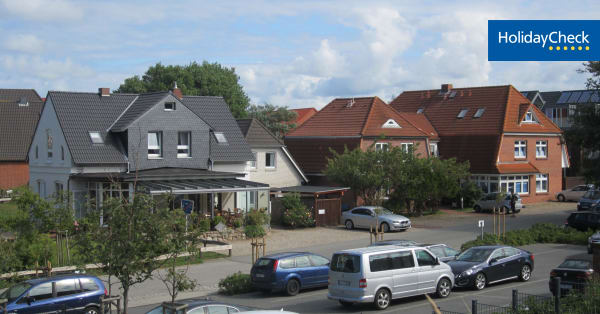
pixel 397 221
pixel 467 272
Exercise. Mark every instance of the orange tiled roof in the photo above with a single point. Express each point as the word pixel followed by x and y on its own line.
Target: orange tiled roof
pixel 303 115
pixel 524 167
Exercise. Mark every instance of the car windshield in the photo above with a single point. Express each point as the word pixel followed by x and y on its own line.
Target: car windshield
pixel 592 195
pixel 15 291
pixel 576 264
pixel 475 255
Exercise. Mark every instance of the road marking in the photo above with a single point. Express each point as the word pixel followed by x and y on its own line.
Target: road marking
pixel 466 306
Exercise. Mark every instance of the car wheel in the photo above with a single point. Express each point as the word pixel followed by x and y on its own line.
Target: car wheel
pixel 385 227
pixel 349 224
pixel 525 273
pixel 346 303
pixel 480 281
pixel 382 299
pixel 444 287
pixel 477 208
pixel 561 198
pixel 292 287
pixel 91 310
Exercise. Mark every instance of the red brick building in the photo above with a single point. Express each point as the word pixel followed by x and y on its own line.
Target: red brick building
pixel 20 111
pixel 510 143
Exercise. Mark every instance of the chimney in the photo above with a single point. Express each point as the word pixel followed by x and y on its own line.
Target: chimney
pixel 177 92
pixel 446 88
pixel 103 91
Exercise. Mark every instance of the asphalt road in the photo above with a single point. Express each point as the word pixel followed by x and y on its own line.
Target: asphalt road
pixel 440 229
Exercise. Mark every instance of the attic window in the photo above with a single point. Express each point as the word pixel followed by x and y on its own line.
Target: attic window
pixel 390 123
pixel 96 138
pixel 169 106
pixel 479 113
pixel 529 117
pixel 420 110
pixel 23 102
pixel 462 113
pixel 220 138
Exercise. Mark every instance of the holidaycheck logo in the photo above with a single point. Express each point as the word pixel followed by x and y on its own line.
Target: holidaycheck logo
pixel 543 40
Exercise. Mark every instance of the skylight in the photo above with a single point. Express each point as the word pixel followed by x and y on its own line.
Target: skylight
pixel 96 138
pixel 479 113
pixel 390 123
pixel 420 110
pixel 169 106
pixel 220 137
pixel 462 113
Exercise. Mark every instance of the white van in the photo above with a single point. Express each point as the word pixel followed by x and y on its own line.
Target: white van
pixel 382 273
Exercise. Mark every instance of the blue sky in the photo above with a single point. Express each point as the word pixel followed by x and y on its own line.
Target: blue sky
pixel 290 53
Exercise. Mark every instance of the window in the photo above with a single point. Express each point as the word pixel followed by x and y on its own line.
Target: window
pixel 450 251
pixel 58 187
pixel 479 113
pixel 67 287
pixel 184 142
pixel 286 263
pixel 433 149
pixel 50 142
pixel 345 263
pixel 220 138
pixel 437 251
pixel 498 254
pixel 41 292
pixel 380 262
pixel 420 110
pixel 520 149
pixel 541 182
pixel 319 260
pixel 252 163
pixel 462 113
pixel 517 184
pixel 407 147
pixel 302 261
pixel 541 149
pixel 96 138
pixel 270 160
pixel 169 106
pixel 154 144
pixel 402 259
pixel 424 258
pixel 88 284
pixel 390 123
pixel 36 152
pixel 62 153
pixel 529 117
pixel 381 147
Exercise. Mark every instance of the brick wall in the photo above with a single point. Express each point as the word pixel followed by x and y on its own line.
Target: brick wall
pixel 551 165
pixel 13 174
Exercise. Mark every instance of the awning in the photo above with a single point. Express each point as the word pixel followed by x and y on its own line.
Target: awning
pixel 310 189
pixel 200 186
pixel 517 168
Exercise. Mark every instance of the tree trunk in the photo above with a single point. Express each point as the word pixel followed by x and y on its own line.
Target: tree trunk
pixel 125 301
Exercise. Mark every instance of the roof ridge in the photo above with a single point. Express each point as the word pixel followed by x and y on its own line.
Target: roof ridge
pixel 401 114
pixel 201 96
pixel 366 122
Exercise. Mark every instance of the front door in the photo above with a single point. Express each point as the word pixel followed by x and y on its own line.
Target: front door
pixel 69 296
pixel 406 275
pixel 41 299
pixel 497 266
pixel 428 271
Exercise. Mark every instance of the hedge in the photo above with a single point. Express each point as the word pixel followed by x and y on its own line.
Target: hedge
pixel 235 284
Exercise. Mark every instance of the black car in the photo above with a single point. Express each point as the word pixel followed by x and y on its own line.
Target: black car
pixel 483 265
pixel 590 201
pixel 584 220
pixel 574 273
pixel 204 306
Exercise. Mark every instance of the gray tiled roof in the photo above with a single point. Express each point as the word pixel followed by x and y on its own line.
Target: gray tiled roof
pixel 215 112
pixel 142 104
pixel 79 113
pixel 18 123
pixel 257 134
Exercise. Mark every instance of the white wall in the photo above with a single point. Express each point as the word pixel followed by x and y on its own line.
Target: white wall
pixel 283 175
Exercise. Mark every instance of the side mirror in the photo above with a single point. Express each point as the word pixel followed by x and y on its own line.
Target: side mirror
pixel 29 300
pixel 437 260
pixel 493 260
pixel 372 214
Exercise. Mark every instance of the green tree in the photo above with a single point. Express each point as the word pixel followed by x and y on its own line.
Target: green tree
pixel 279 120
pixel 206 79
pixel 593 68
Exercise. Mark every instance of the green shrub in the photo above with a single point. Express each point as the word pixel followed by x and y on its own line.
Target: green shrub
pixel 204 225
pixel 538 233
pixel 218 219
pixel 254 231
pixel 470 193
pixel 295 213
pixel 238 222
pixel 235 284
pixel 257 217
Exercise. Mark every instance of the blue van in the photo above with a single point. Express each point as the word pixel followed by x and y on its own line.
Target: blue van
pixel 73 293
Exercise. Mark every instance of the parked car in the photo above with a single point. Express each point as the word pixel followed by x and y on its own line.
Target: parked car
pixel 594 238
pixel 371 216
pixel 204 306
pixel 490 201
pixel 583 221
pixel 573 194
pixel 442 251
pixel 75 293
pixel 573 273
pixel 590 201
pixel 290 272
pixel 395 242
pixel 382 273
pixel 480 266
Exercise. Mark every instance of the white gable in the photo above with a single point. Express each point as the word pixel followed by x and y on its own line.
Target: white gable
pixel 390 123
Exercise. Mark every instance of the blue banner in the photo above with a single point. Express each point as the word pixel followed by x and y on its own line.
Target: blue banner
pixel 544 40
pixel 187 206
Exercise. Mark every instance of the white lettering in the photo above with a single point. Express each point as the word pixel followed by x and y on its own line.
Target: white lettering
pixel 551 39
pixel 512 38
pixel 500 37
pixel 570 38
pixel 584 39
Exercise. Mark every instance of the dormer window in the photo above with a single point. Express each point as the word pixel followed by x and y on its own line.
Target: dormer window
pixel 23 102
pixel 529 117
pixel 221 139
pixel 390 123
pixel 479 113
pixel 420 110
pixel 96 138
pixel 169 106
pixel 462 113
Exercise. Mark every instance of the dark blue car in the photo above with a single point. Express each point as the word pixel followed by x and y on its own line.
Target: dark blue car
pixel 290 272
pixel 73 293
pixel 480 266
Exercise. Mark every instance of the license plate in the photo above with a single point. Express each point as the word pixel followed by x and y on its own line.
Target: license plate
pixel 260 276
pixel 563 286
pixel 343 283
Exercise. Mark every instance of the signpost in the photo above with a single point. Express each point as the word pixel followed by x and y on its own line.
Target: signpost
pixel 188 207
pixel 481 225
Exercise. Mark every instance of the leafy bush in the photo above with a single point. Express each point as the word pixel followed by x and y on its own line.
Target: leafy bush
pixel 295 214
pixel 218 219
pixel 470 193
pixel 257 217
pixel 235 284
pixel 538 233
pixel 254 231
pixel 204 225
pixel 238 222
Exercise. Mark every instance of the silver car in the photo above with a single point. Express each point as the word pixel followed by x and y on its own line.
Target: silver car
pixel 379 274
pixel 594 238
pixel 489 201
pixel 573 194
pixel 373 216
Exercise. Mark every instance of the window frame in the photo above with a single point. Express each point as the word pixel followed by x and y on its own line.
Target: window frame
pixel 433 150
pixel 479 113
pixel 381 146
pixel 50 144
pixel 220 137
pixel 274 165
pixel 170 103
pixel 187 147
pixel 520 147
pixel 406 147
pixel 543 146
pixel 253 163
pixel 541 178
pixel 158 147
pixel 426 252
pixel 96 137
pixel 462 113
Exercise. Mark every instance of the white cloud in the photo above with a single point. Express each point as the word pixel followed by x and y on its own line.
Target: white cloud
pixel 24 43
pixel 46 10
pixel 45 69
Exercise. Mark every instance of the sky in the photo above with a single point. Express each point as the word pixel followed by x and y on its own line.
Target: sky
pixel 287 53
